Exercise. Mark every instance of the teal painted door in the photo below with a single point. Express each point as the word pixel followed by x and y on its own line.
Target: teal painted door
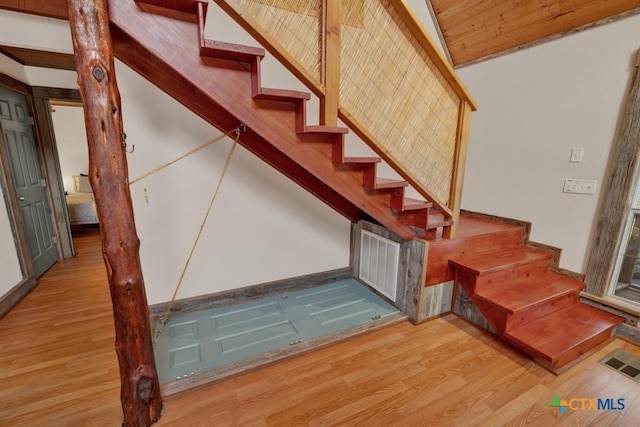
pixel 28 179
pixel 206 340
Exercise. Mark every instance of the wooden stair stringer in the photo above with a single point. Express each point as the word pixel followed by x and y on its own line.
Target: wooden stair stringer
pixel 166 51
pixel 146 63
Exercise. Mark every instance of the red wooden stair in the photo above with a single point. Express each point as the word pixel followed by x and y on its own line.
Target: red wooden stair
pixel 164 41
pixel 534 309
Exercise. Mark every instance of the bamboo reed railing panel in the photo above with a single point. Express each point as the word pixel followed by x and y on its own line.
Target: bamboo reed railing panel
pixel 395 89
pixel 392 88
pixel 295 25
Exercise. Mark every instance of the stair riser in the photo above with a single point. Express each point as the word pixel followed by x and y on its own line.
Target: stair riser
pixel 503 320
pixel 473 283
pixel 337 153
pixel 438 271
pixel 546 307
pixel 418 218
pixel 566 359
pixel 510 274
pixel 391 195
pixel 396 199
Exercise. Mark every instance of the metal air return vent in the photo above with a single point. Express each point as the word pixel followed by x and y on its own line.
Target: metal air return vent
pixel 379 258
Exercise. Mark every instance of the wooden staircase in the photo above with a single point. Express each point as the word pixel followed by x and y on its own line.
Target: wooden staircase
pixel 534 309
pixel 164 41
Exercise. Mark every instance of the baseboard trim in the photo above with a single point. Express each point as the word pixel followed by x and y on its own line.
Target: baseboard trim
pixel 16 294
pixel 613 306
pixel 628 333
pixel 248 293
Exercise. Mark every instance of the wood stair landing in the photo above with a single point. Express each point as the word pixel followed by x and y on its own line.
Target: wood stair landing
pixel 221 82
pixel 535 310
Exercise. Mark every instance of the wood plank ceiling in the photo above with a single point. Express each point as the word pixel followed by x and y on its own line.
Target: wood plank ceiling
pixel 478 29
pixel 472 30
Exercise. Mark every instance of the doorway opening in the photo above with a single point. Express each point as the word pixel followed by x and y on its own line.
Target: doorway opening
pixel 68 129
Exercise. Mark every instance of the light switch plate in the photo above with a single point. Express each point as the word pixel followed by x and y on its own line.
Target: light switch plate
pixel 576 155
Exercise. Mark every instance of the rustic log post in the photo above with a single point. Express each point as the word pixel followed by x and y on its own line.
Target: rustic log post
pixel 140 390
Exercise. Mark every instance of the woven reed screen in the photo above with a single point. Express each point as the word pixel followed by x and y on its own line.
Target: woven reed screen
pixel 388 83
pixel 295 24
pixel 391 87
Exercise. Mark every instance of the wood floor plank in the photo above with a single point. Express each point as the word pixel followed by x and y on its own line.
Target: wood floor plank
pixel 58 367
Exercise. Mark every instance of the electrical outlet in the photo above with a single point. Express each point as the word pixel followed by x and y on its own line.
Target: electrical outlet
pixel 579 186
pixel 576 155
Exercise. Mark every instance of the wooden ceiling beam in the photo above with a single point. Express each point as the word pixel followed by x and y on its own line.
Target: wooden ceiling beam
pixel 40 58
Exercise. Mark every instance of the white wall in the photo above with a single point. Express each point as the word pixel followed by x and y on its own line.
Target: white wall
pixel 421 11
pixel 35 32
pixel 535 105
pixel 71 140
pixel 262 227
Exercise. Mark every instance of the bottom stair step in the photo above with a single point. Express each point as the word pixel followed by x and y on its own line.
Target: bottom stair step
pixel 563 336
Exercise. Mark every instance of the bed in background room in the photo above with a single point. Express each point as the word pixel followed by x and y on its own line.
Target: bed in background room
pixel 81 204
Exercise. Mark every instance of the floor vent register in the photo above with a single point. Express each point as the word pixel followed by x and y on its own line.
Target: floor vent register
pixel 624 363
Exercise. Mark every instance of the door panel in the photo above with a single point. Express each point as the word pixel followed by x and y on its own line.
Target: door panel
pixel 208 339
pixel 28 180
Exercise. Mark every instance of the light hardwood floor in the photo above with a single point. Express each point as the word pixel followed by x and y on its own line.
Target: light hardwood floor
pixel 58 368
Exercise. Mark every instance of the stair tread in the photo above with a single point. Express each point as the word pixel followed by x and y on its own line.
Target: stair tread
pixel 324 128
pixel 389 183
pixel 527 292
pixel 362 160
pixel 496 260
pixel 282 94
pixel 440 223
pixel 436 221
pixel 187 6
pixel 231 51
pixel 409 204
pixel 562 330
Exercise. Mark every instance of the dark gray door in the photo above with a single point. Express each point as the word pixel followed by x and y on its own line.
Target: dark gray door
pixel 28 179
